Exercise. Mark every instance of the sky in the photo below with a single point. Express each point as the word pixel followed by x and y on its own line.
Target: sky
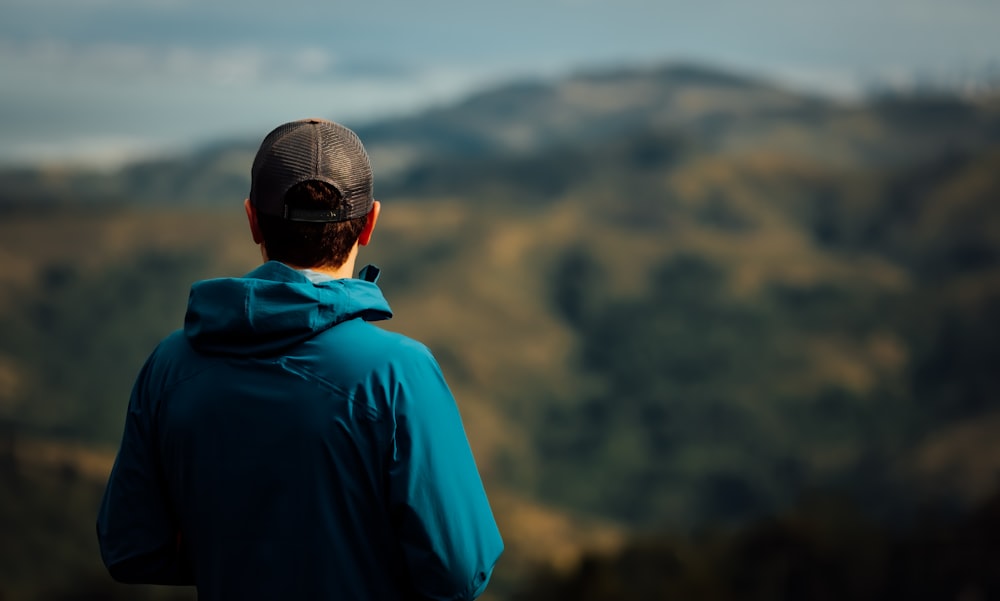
pixel 102 82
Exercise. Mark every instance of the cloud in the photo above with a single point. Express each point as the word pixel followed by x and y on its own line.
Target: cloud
pixel 102 103
pixel 125 62
pixel 137 64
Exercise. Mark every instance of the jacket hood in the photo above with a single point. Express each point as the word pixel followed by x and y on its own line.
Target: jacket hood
pixel 274 307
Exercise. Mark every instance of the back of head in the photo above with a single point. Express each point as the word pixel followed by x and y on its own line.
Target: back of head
pixel 311 186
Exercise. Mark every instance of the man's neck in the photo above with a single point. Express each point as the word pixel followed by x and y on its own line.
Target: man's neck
pixel 344 271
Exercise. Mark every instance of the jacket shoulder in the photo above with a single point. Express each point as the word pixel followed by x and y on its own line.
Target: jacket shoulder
pixel 364 340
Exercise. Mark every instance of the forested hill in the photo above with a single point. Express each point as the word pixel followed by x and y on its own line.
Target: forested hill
pixel 664 296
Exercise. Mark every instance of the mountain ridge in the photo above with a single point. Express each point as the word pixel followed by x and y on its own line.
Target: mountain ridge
pixel 533 121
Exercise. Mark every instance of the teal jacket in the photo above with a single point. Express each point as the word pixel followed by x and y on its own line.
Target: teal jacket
pixel 282 447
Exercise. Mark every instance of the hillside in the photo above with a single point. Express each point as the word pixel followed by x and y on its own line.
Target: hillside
pixel 666 299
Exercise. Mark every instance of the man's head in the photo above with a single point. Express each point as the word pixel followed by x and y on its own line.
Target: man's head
pixel 311 197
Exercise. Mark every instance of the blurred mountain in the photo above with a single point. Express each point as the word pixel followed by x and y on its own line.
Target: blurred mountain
pixel 593 117
pixel 586 109
pixel 665 296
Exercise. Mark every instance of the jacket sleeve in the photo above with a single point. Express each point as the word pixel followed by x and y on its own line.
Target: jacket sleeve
pixel 449 538
pixel 138 535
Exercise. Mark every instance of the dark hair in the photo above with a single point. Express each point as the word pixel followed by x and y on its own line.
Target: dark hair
pixel 303 244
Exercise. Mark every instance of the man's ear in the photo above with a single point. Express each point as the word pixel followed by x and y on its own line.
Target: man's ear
pixel 252 219
pixel 366 233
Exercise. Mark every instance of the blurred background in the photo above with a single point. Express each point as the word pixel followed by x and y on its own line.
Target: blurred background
pixel 717 285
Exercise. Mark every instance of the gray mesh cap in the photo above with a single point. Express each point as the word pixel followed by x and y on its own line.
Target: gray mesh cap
pixel 311 149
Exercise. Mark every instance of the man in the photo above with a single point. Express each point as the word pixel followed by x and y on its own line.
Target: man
pixel 280 446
